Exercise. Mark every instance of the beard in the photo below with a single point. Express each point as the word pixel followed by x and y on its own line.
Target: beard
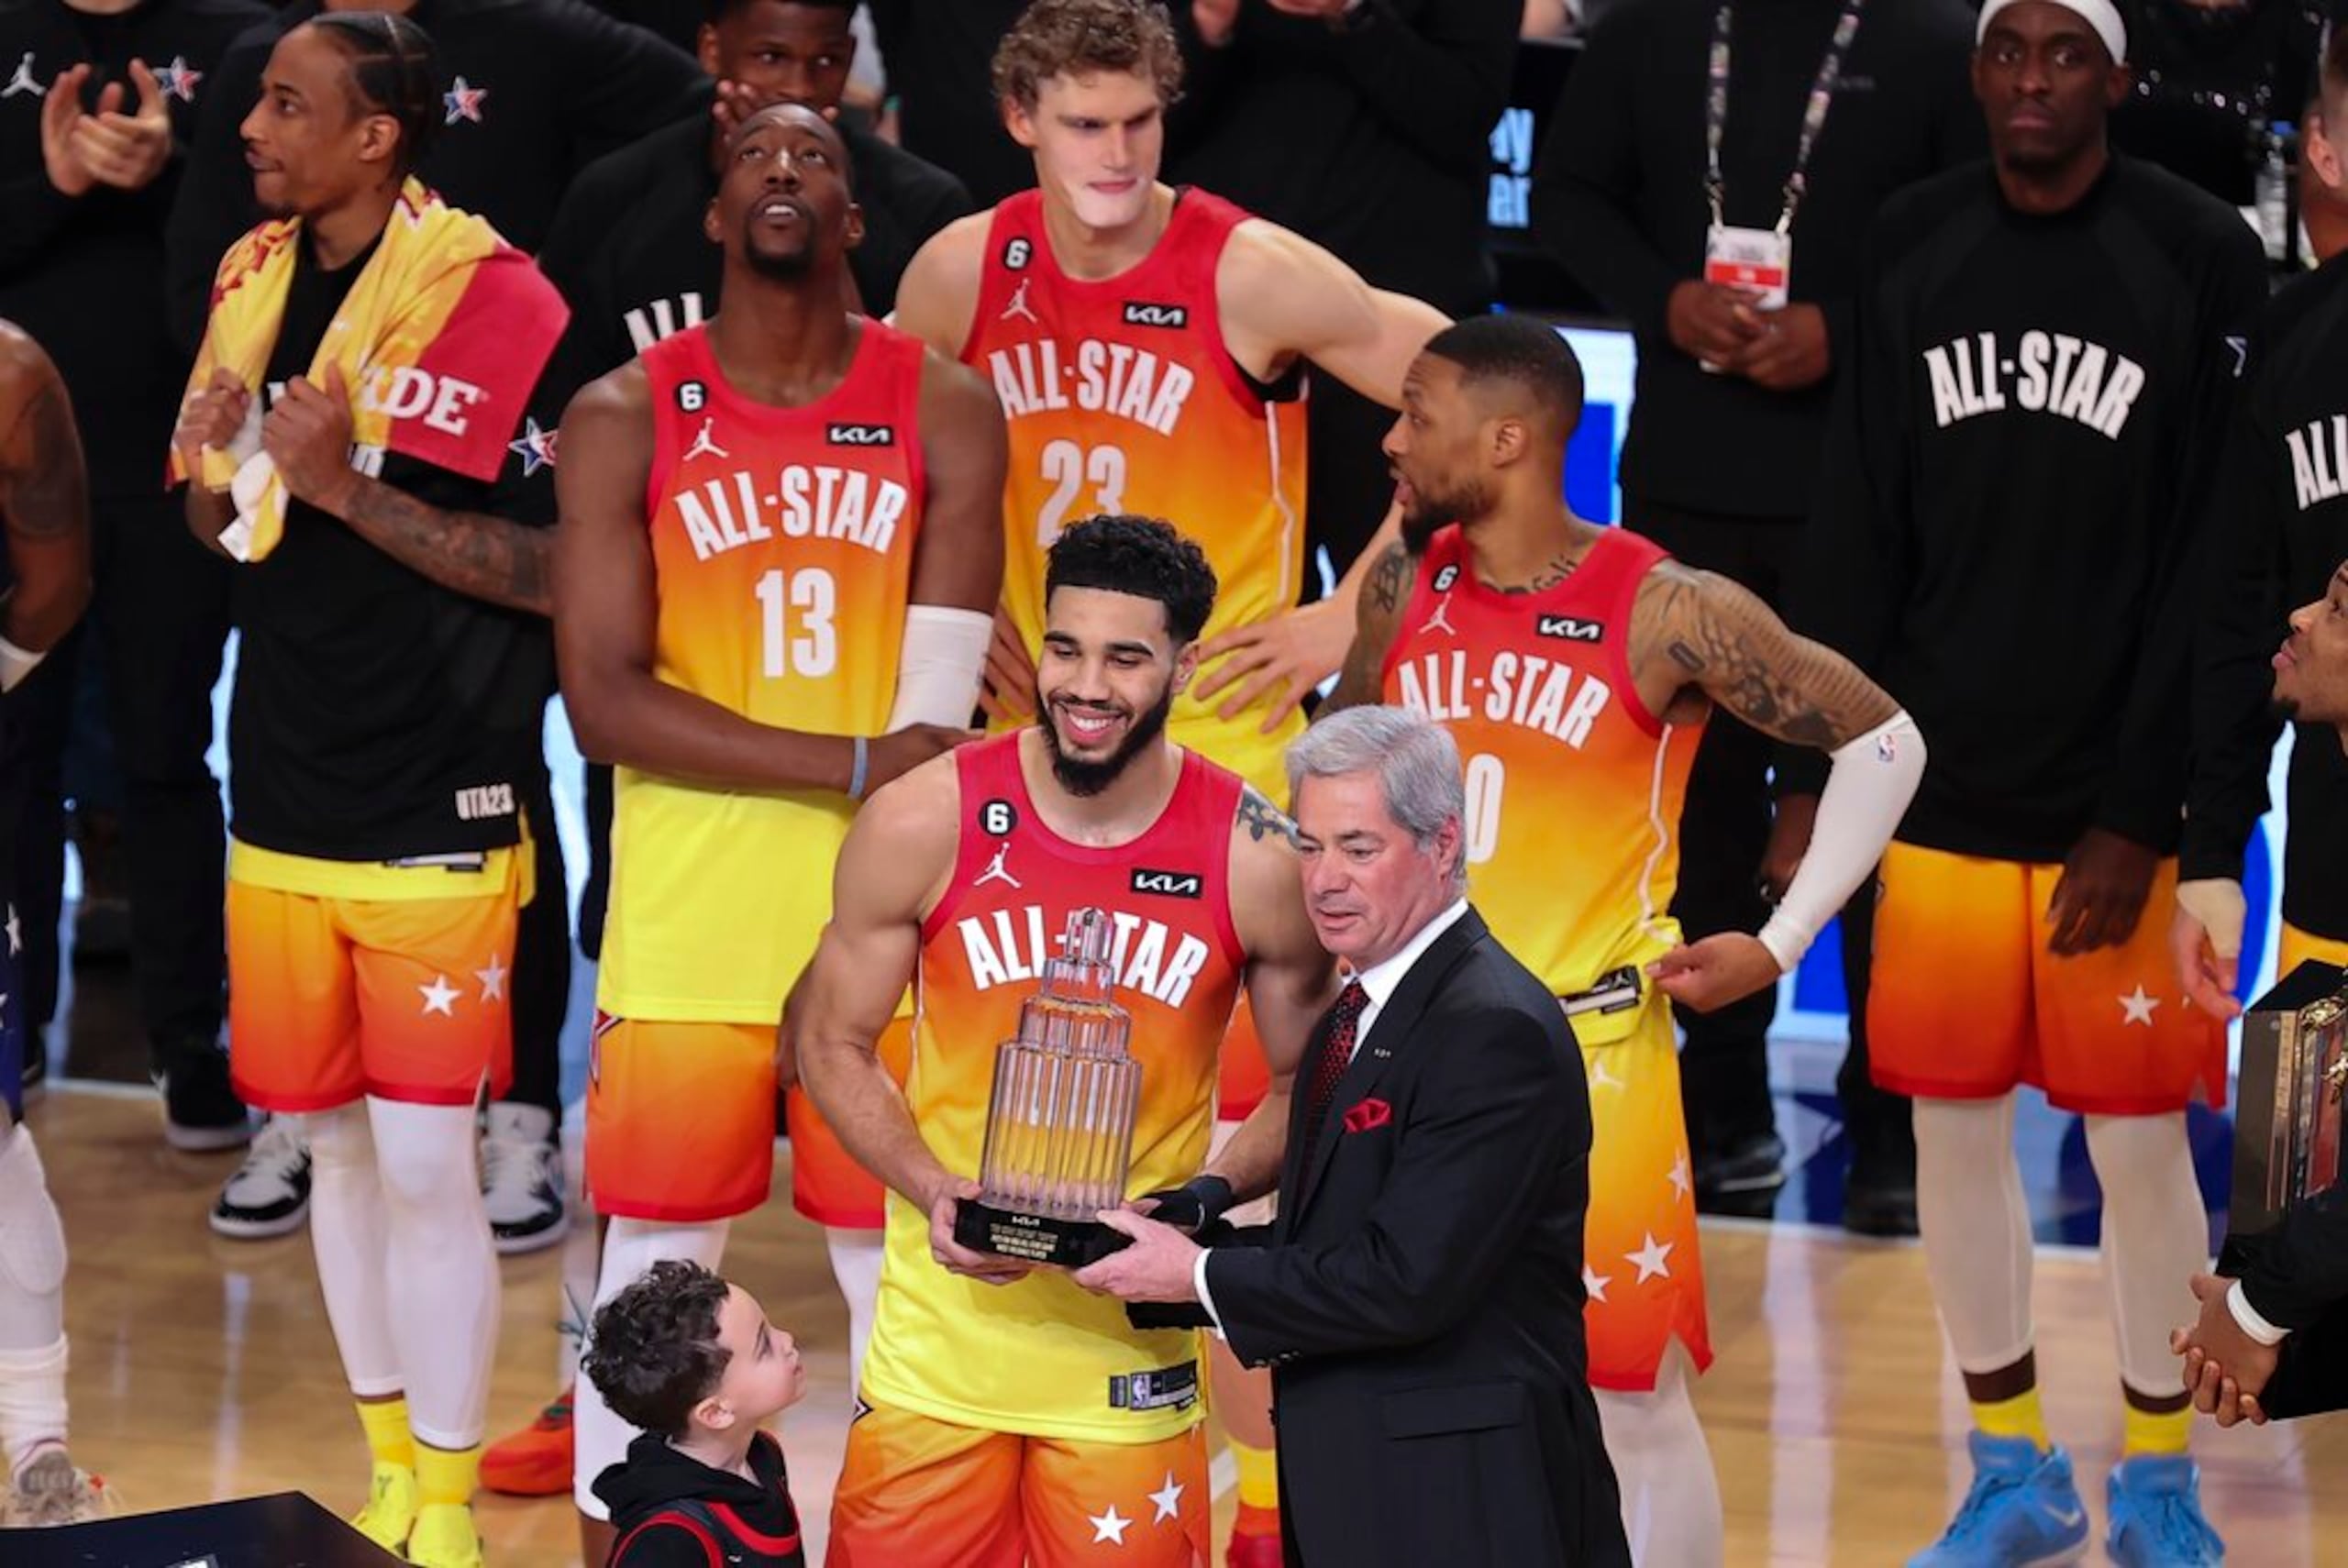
pixel 1429 514
pixel 789 266
pixel 1082 777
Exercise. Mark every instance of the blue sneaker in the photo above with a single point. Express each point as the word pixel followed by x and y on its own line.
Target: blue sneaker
pixel 2156 1519
pixel 2023 1511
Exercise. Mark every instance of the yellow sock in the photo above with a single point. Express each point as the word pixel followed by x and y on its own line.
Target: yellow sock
pixel 388 1437
pixel 1259 1483
pixel 443 1477
pixel 2150 1433
pixel 2020 1415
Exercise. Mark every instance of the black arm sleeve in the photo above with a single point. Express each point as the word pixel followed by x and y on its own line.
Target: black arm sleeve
pixel 2146 791
pixel 1487 1116
pixel 1586 182
pixel 2240 622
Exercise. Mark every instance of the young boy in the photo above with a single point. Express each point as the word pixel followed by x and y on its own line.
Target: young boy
pixel 692 1362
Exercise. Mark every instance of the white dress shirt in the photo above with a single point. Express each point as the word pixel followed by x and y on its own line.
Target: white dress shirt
pixel 1379 984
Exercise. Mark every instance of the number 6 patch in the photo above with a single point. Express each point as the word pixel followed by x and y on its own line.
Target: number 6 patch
pixel 997 818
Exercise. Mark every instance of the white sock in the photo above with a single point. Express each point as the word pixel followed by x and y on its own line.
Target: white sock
pixel 579 1248
pixel 440 1264
pixel 1976 1225
pixel 1671 1500
pixel 2155 1238
pixel 349 1233
pixel 856 1263
pixel 600 1438
pixel 32 1304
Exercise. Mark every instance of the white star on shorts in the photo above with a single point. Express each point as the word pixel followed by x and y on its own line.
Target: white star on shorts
pixel 1595 1284
pixel 440 997
pixel 2137 1009
pixel 1652 1259
pixel 1108 1527
pixel 493 979
pixel 1168 1499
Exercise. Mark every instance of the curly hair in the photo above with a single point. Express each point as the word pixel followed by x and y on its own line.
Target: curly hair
pixel 1077 37
pixel 653 1352
pixel 1144 557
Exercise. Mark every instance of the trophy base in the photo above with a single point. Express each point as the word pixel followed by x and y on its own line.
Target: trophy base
pixel 1034 1238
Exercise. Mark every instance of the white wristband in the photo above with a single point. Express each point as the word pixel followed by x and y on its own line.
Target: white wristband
pixel 1874 778
pixel 939 666
pixel 2246 1316
pixel 15 663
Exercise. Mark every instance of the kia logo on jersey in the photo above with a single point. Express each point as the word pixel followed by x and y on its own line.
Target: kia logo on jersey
pixel 1142 312
pixel 861 434
pixel 1168 884
pixel 1570 628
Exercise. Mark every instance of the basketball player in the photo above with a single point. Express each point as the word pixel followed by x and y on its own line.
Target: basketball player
pixel 780 547
pixel 2287 528
pixel 2043 368
pixel 44 505
pixel 1011 1415
pixel 1147 343
pixel 393 668
pixel 1576 667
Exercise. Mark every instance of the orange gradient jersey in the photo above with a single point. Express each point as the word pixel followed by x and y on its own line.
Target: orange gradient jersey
pixel 1041 1356
pixel 1121 396
pixel 783 542
pixel 1574 789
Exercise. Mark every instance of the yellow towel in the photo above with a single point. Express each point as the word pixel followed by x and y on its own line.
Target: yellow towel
pixel 440 339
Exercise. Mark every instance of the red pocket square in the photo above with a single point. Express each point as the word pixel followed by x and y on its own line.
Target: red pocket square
pixel 1370 1114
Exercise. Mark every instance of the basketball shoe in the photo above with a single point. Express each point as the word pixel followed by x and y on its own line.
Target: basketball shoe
pixel 2022 1512
pixel 389 1514
pixel 2154 1502
pixel 537 1461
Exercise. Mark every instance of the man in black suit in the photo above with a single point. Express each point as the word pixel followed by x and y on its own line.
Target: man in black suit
pixel 1420 1297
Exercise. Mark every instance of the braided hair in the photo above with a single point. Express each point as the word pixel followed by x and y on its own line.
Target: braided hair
pixel 395 71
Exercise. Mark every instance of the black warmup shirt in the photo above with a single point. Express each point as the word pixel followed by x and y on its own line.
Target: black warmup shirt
pixel 2279 529
pixel 377 715
pixel 2015 483
pixel 81 273
pixel 1617 196
pixel 2209 82
pixel 1375 141
pixel 548 86
pixel 654 271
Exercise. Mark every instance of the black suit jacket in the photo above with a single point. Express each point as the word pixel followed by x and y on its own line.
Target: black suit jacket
pixel 1421 1297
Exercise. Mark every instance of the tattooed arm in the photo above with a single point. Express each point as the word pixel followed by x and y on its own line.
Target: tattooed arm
pixel 1697 629
pixel 1694 633
pixel 44 494
pixel 1377 617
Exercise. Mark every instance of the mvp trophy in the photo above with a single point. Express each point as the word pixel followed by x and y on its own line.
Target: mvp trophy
pixel 1061 1124
pixel 2287 1127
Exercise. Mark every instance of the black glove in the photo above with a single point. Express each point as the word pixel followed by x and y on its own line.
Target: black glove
pixel 1194 1206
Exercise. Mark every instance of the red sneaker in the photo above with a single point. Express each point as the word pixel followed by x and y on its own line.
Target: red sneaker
pixel 1255 1539
pixel 537 1461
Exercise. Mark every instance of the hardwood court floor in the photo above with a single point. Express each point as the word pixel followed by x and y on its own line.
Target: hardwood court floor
pixel 204 1368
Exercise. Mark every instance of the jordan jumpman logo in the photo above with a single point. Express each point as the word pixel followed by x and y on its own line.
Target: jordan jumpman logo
pixel 24 81
pixel 702 446
pixel 1017 308
pixel 1442 617
pixel 995 871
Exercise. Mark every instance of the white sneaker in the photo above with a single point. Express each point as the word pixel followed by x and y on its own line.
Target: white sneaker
pixel 269 1194
pixel 521 1179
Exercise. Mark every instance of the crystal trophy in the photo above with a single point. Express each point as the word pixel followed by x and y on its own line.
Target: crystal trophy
pixel 1061 1124
pixel 2288 1117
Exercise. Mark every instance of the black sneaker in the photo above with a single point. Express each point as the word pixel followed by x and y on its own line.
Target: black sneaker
pixel 201 1110
pixel 521 1179
pixel 269 1194
pixel 1741 1180
pixel 1879 1193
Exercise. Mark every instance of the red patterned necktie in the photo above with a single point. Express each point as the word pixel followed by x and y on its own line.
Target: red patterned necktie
pixel 1336 1055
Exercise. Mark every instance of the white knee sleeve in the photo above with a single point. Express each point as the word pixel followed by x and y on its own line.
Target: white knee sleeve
pixel 32 1249
pixel 440 1266
pixel 347 1232
pixel 1671 1500
pixel 630 1247
pixel 856 1263
pixel 32 1402
pixel 2155 1238
pixel 1976 1225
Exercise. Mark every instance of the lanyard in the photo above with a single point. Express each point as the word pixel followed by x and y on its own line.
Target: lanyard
pixel 1813 118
